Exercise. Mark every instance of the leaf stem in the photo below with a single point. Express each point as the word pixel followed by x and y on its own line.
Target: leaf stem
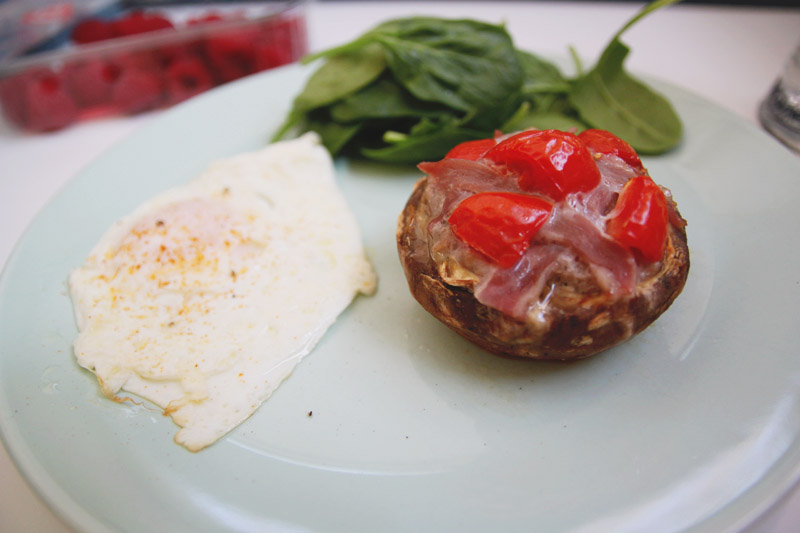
pixel 577 60
pixel 652 6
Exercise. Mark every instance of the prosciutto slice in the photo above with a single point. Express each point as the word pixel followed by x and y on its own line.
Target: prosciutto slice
pixel 574 234
pixel 612 264
pixel 511 290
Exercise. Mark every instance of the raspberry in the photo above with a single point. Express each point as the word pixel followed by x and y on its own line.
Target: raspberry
pixel 232 54
pixel 91 30
pixel 90 82
pixel 166 54
pixel 269 55
pixel 12 97
pixel 48 105
pixel 139 22
pixel 185 78
pixel 283 42
pixel 205 19
pixel 137 90
pixel 138 60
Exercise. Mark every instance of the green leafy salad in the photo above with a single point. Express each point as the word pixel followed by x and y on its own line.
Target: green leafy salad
pixel 412 88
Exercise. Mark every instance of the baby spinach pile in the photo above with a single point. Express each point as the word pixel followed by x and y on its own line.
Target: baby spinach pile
pixel 412 88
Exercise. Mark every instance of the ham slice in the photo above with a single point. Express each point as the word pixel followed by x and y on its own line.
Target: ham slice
pixel 511 290
pixel 612 264
pixel 574 234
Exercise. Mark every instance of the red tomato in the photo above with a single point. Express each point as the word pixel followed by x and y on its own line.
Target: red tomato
pixel 472 150
pixel 551 162
pixel 605 142
pixel 640 218
pixel 500 225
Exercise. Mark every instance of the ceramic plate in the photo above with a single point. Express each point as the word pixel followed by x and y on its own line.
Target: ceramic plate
pixel 693 424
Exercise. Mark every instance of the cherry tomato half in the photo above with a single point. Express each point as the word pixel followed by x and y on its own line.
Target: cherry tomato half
pixel 500 225
pixel 550 162
pixel 640 218
pixel 605 142
pixel 472 150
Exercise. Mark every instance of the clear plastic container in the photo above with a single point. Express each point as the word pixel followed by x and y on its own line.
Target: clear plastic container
pixel 123 61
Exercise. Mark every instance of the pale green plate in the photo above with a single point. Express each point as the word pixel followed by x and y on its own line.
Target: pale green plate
pixel 693 424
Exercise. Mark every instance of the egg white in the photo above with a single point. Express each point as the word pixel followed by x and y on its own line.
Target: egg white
pixel 205 298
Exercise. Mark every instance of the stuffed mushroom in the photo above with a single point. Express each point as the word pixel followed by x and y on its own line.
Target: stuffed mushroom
pixel 543 244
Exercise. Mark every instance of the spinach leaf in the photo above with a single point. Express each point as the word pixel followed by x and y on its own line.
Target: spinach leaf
pixel 334 136
pixel 382 99
pixel 608 97
pixel 341 76
pixel 552 112
pixel 430 146
pixel 540 76
pixel 411 88
pixel 548 120
pixel 545 104
pixel 488 119
pixel 462 64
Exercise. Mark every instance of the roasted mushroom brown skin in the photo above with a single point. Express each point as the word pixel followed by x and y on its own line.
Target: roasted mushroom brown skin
pixel 580 318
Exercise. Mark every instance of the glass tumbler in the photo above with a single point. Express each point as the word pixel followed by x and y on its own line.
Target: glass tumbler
pixel 780 111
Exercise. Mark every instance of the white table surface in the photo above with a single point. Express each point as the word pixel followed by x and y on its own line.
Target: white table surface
pixel 730 55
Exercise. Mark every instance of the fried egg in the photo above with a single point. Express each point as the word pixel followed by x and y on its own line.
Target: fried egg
pixel 205 298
